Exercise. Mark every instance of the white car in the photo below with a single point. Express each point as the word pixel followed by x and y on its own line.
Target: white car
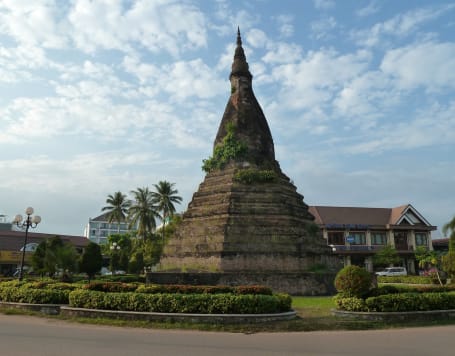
pixel 393 271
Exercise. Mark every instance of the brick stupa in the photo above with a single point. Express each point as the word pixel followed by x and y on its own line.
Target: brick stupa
pixel 246 216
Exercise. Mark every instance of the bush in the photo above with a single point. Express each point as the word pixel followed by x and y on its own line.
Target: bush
pixel 350 303
pixel 405 302
pixel 113 287
pixel 34 296
pixel 181 303
pixel 189 289
pixel 383 290
pixel 405 279
pixel 353 281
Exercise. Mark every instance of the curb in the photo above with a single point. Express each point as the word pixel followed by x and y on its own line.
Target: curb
pixel 426 315
pixel 58 309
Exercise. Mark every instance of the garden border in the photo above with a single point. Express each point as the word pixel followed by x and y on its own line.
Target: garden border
pixel 397 316
pixel 65 310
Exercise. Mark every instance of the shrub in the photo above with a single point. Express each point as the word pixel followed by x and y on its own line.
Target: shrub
pixel 405 302
pixel 249 176
pixel 382 290
pixel 181 303
pixel 350 303
pixel 189 289
pixel 353 281
pixel 405 279
pixel 34 296
pixel 113 287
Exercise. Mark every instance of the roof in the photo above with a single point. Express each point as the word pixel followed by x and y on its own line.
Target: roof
pixel 102 218
pixel 401 215
pixel 14 240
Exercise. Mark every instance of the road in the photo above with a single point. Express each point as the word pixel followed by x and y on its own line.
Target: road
pixel 31 336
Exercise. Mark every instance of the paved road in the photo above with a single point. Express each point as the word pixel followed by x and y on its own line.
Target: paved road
pixel 30 336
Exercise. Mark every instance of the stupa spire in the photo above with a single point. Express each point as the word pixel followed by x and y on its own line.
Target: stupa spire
pixel 240 65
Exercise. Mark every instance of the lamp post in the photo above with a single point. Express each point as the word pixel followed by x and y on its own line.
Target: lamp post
pixel 114 257
pixel 28 222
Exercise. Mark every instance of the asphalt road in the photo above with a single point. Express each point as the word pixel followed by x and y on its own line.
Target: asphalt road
pixel 31 336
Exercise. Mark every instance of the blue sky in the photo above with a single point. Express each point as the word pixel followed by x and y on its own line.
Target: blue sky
pixel 101 96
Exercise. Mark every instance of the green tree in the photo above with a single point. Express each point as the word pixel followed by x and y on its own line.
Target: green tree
pixel 119 249
pixel 448 261
pixel 117 208
pixel 91 260
pixel 52 255
pixel 165 197
pixel 142 212
pixel 387 256
pixel 428 260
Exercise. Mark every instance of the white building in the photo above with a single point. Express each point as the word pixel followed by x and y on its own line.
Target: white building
pixel 99 228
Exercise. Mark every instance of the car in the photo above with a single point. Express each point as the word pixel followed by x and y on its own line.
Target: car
pixel 393 271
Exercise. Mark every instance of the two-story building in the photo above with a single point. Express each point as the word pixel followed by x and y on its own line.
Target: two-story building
pixel 99 228
pixel 356 234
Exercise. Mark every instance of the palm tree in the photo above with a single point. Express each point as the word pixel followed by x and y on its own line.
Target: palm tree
pixel 450 228
pixel 165 196
pixel 142 212
pixel 117 208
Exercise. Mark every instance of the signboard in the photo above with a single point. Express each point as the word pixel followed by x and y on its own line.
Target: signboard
pixel 350 239
pixel 13 256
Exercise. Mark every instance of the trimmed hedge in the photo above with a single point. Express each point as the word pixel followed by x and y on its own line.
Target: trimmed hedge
pixel 181 303
pixel 113 287
pixel 400 302
pixel 35 296
pixel 405 302
pixel 189 289
pixel 405 279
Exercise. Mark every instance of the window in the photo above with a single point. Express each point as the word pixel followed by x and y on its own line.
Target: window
pixel 378 238
pixel 335 237
pixel 358 238
pixel 421 239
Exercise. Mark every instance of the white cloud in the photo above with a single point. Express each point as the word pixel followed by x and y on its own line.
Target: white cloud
pixel 321 29
pixel 285 23
pixel 324 4
pixel 190 79
pixel 315 79
pixel 430 65
pixel 399 26
pixel 33 22
pixel 280 52
pixel 428 127
pixel 368 10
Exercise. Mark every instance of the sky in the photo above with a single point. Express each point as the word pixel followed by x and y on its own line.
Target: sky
pixel 108 95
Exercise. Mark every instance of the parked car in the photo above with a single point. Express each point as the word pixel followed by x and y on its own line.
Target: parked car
pixel 393 271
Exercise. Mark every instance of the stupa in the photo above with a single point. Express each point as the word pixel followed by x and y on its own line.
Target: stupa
pixel 246 224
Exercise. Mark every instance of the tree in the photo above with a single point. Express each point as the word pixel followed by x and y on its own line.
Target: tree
pixel 91 260
pixel 448 261
pixel 117 208
pixel 429 261
pixel 164 197
pixel 52 255
pixel 387 256
pixel 142 212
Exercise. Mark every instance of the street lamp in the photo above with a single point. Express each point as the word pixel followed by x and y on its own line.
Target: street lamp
pixel 114 258
pixel 28 222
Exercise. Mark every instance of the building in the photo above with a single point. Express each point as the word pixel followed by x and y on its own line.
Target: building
pixel 356 234
pixel 99 228
pixel 12 244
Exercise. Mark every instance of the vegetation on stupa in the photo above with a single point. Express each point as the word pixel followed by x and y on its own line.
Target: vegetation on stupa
pixel 251 175
pixel 230 149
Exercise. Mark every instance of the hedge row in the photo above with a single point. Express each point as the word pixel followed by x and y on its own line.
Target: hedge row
pixel 405 279
pixel 402 302
pixel 35 296
pixel 113 287
pixel 181 303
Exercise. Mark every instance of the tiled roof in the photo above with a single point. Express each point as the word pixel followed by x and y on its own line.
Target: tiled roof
pixel 14 240
pixel 325 215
